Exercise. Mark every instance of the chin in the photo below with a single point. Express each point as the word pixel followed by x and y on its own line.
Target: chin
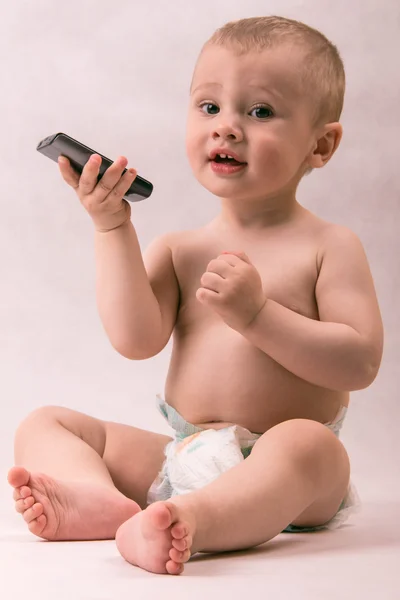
pixel 223 189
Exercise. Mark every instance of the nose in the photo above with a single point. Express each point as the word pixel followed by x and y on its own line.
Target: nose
pixel 227 130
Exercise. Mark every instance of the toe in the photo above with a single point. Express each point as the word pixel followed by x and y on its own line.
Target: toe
pixel 26 503
pixel 183 543
pixel 180 530
pixel 21 492
pixel 174 568
pixel 178 556
pixel 180 544
pixel 22 504
pixel 34 512
pixel 36 526
pixel 189 541
pixel 18 476
pixel 162 514
pixel 158 517
pixel 25 491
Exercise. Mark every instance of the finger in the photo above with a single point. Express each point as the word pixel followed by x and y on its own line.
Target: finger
pixel 123 185
pixel 69 174
pixel 230 259
pixel 208 296
pixel 241 255
pixel 222 265
pixel 100 190
pixel 213 282
pixel 90 172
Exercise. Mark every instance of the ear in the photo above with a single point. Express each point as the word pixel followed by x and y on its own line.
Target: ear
pixel 326 145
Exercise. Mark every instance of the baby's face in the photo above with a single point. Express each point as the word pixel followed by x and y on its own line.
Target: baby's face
pixel 252 105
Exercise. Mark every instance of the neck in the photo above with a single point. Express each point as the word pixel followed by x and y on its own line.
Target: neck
pixel 237 216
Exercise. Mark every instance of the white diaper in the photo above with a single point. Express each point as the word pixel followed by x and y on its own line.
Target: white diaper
pixel 193 462
pixel 196 457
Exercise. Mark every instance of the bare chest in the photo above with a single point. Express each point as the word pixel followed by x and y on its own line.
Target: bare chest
pixel 214 370
pixel 288 273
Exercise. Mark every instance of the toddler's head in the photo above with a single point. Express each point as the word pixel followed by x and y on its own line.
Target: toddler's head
pixel 271 90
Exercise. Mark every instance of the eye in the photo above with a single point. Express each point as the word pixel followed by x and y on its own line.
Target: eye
pixel 259 107
pixel 206 104
pixel 262 107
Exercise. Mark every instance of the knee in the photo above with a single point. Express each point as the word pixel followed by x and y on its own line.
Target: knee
pixel 59 419
pixel 46 414
pixel 311 445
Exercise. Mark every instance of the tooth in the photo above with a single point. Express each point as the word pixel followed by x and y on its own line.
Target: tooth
pixel 223 155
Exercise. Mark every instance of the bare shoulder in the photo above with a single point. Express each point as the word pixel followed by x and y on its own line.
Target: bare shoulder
pixel 185 245
pixel 182 236
pixel 342 240
pixel 336 233
pixel 177 237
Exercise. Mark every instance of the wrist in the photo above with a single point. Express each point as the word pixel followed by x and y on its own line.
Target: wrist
pixel 253 323
pixel 125 225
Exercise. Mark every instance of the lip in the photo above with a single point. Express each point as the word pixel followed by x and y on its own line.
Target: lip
pixel 216 151
pixel 223 169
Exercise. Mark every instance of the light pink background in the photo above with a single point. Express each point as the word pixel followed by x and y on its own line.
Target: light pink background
pixel 116 76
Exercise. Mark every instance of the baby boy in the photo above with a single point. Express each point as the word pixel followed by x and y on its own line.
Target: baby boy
pixel 274 319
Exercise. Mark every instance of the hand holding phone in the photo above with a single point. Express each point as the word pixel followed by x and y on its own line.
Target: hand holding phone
pixel 102 186
pixel 102 199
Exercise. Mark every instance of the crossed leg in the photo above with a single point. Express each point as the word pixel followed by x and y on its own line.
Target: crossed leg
pixel 298 472
pixel 80 478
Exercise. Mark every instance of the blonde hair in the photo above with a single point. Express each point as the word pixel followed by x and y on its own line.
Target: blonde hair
pixel 322 76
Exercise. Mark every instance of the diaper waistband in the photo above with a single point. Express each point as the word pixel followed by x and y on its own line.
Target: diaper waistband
pixel 177 422
pixel 184 429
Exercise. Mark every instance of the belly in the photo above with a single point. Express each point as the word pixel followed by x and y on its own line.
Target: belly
pixel 217 378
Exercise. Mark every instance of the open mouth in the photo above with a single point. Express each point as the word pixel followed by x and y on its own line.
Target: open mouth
pixel 227 161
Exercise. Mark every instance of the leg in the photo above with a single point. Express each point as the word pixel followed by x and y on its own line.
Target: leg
pixel 102 469
pixel 298 472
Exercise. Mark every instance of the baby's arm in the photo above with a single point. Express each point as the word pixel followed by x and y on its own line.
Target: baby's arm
pixel 343 350
pixel 137 303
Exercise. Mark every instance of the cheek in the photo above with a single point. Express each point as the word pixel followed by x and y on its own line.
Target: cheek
pixel 277 158
pixel 191 153
pixel 192 142
pixel 271 158
pixel 273 163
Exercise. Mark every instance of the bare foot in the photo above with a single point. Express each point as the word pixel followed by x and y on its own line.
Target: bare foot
pixel 56 510
pixel 158 539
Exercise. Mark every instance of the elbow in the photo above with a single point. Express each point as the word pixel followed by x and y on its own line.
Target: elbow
pixel 372 363
pixel 359 378
pixel 367 376
pixel 136 353
pixel 134 356
pixel 369 366
pixel 371 373
pixel 141 346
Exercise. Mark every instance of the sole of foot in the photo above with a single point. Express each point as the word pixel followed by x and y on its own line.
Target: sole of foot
pixel 61 510
pixel 158 539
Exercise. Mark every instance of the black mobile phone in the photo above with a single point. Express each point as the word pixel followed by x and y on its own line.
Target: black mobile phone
pixel 61 144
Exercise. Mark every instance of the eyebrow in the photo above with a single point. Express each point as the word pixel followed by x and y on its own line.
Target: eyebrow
pixel 272 91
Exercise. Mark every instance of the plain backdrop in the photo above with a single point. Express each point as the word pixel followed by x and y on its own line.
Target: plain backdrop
pixel 116 76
